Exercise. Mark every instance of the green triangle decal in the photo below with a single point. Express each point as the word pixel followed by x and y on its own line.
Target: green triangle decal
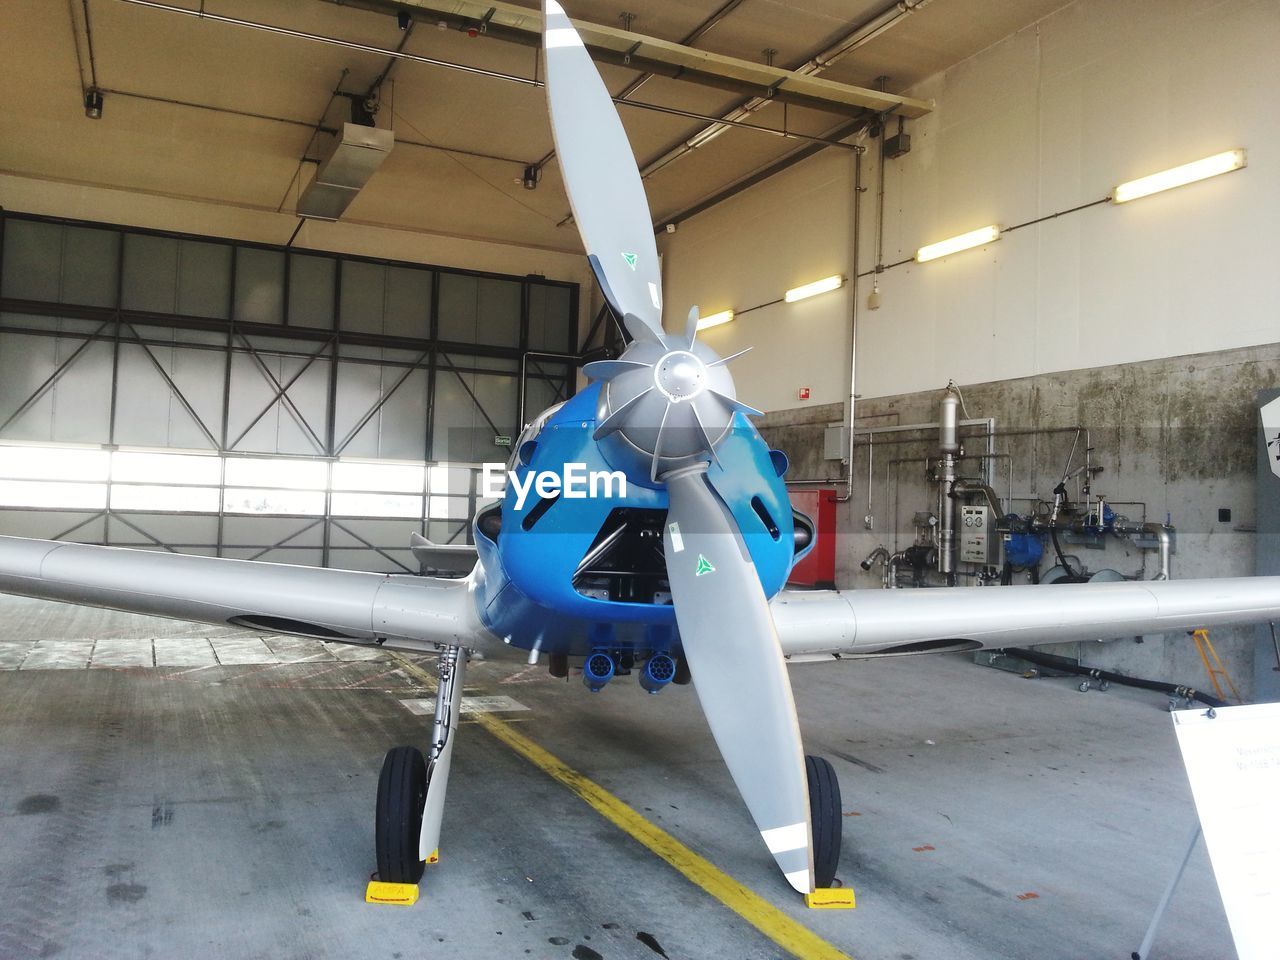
pixel 704 566
pixel 631 259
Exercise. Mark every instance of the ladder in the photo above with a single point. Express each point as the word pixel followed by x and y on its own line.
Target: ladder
pixel 1204 646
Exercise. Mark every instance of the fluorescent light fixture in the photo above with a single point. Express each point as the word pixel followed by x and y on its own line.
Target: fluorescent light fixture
pixel 715 319
pixel 815 288
pixel 966 241
pixel 1178 176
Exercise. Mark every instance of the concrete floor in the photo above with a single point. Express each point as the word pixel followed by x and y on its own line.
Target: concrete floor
pixel 225 810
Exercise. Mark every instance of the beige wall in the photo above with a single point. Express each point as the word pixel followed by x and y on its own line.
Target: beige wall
pixel 1050 118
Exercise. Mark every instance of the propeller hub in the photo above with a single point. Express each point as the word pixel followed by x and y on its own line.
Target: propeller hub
pixel 680 376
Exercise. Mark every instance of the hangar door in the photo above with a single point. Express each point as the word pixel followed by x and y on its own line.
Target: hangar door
pixel 206 396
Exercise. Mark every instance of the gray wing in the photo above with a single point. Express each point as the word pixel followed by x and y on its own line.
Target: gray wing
pixel 862 622
pixel 404 611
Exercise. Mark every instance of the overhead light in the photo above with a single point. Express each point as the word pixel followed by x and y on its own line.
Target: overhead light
pixel 93 103
pixel 715 319
pixel 1178 176
pixel 943 248
pixel 815 288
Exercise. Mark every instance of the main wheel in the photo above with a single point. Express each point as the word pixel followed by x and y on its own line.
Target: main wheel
pixel 402 793
pixel 824 809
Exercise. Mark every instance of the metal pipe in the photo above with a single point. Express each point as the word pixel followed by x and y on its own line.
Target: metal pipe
pixel 860 35
pixel 853 329
pixel 464 68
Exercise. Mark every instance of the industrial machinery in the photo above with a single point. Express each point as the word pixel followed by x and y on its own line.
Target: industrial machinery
pixel 970 534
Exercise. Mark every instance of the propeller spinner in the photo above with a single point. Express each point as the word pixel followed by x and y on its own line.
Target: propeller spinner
pixel 665 405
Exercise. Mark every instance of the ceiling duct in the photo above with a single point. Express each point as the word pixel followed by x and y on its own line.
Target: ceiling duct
pixel 350 160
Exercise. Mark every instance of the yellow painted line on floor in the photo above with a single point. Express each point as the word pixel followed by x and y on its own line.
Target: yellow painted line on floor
pixel 792 936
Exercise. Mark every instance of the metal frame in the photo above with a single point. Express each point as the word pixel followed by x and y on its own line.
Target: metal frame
pixel 126 328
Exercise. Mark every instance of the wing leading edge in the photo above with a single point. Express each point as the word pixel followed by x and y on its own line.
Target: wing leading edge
pixel 404 611
pixel 865 622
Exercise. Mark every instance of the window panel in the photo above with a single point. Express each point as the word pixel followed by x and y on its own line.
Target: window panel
pixel 363 296
pixel 550 321
pixel 153 498
pixel 259 285
pixel 53 463
pixel 311 291
pixel 128 466
pixel 408 303
pixel 376 505
pixel 41 493
pixel 389 477
pixel 448 508
pixel 204 279
pixel 150 273
pixel 32 260
pixel 304 502
pixel 292 474
pixel 90 259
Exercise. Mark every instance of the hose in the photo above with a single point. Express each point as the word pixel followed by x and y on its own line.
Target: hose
pixel 1057 548
pixel 1067 666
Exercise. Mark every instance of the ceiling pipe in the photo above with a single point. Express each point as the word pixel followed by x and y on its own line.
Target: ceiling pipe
pixel 478 71
pixel 858 37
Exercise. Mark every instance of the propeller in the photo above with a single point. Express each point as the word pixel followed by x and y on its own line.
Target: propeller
pixel 665 405
pixel 602 179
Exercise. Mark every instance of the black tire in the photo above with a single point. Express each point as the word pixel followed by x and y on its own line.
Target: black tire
pixel 402 793
pixel 828 823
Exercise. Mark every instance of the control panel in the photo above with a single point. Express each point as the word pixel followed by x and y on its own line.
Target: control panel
pixel 978 543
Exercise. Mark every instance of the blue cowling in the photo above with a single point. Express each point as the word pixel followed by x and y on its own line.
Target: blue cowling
pixel 658 672
pixel 597 670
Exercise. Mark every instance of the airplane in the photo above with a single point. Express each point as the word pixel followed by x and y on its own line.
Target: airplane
pixel 678 574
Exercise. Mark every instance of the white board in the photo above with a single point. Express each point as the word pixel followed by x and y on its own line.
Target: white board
pixel 1233 763
pixel 1271 433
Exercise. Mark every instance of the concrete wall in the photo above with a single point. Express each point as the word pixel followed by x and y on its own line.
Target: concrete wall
pixel 1175 438
pixel 1050 118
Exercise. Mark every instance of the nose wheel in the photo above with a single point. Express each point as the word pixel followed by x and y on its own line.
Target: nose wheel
pixel 828 824
pixel 402 795
pixel 411 787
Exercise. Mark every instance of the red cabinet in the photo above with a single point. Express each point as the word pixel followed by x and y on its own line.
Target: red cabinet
pixel 818 568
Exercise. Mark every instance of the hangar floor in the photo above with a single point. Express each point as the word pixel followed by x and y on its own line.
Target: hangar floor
pixel 223 807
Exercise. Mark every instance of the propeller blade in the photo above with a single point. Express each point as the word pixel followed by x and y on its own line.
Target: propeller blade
pixel 735 404
pixel 732 650
pixel 617 419
pixel 691 326
pixel 601 178
pixel 608 369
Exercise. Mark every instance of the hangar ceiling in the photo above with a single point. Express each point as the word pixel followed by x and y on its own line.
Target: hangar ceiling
pixel 207 109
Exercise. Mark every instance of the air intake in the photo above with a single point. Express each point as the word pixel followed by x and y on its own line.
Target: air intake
pixel 346 167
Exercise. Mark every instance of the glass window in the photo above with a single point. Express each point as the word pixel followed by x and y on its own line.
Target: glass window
pixel 444 479
pixel 204 279
pixel 479 310
pixel 376 505
pixel 53 463
pixel 90 259
pixel 311 291
pixel 150 273
pixel 152 498
pixel 386 477
pixel 363 296
pixel 448 508
pixel 64 496
pixel 32 260
pixel 292 474
pixel 306 502
pixel 550 321
pixel 128 466
pixel 408 303
pixel 259 285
